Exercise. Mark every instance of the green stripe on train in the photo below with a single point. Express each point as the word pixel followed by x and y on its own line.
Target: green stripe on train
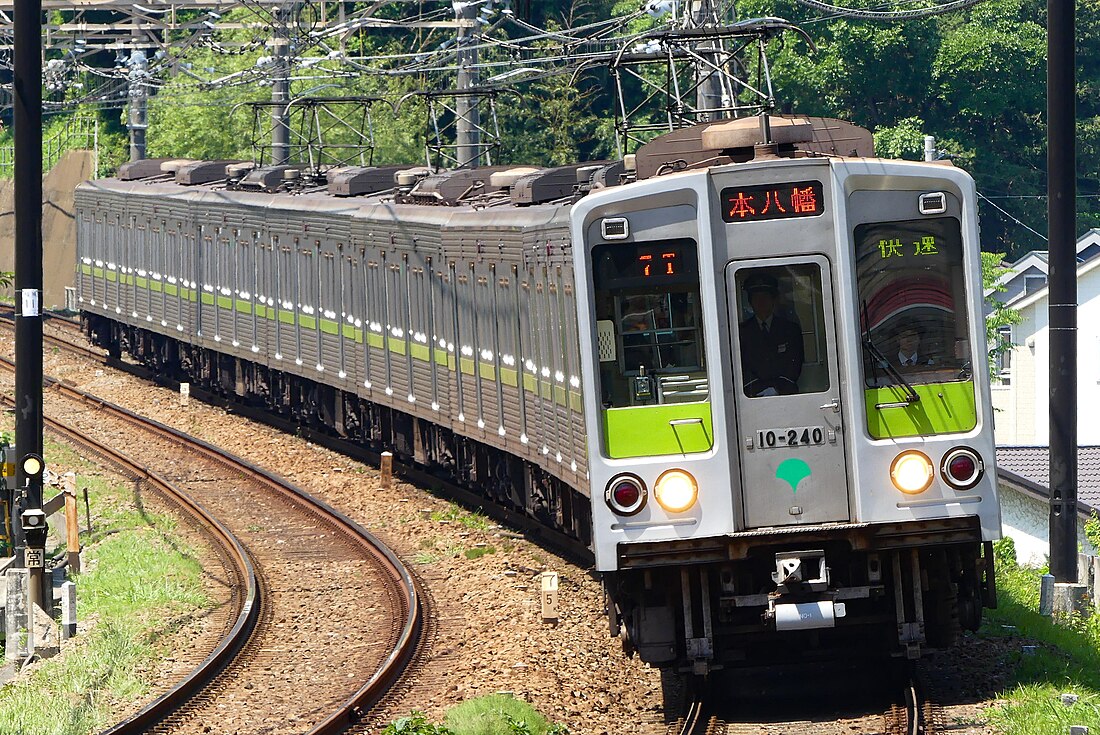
pixel 943 408
pixel 486 371
pixel 642 431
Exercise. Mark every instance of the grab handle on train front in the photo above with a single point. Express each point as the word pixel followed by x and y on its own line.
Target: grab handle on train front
pixel 833 404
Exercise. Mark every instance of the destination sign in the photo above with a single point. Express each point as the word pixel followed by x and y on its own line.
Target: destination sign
pixel 772 201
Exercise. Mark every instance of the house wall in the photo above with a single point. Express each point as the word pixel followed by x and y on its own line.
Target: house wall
pixel 1021 416
pixel 1026 519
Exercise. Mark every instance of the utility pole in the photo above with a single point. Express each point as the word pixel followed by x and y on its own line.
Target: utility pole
pixel 280 90
pixel 1062 280
pixel 709 92
pixel 27 101
pixel 468 122
pixel 138 122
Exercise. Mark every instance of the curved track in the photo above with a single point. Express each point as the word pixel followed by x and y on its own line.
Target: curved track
pixel 264 594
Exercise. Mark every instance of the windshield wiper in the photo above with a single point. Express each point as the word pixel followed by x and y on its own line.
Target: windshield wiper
pixel 911 395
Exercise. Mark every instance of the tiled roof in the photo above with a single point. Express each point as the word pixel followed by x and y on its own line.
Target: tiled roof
pixel 1032 464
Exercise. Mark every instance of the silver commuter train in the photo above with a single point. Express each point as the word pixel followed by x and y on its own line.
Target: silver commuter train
pixel 824 481
pixel 737 517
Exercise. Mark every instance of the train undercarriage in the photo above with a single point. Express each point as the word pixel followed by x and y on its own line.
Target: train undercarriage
pixel 498 477
pixel 828 594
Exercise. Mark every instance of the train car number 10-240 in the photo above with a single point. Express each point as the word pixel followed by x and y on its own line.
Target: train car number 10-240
pixel 795 436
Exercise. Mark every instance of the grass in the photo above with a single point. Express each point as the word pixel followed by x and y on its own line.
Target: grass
pixel 455 514
pixel 139 582
pixel 495 714
pixel 1066 661
pixel 479 551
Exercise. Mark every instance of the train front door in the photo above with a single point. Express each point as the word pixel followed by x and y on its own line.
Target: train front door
pixel 787 391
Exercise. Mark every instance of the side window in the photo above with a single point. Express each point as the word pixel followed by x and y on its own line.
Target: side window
pixel 649 323
pixel 781 330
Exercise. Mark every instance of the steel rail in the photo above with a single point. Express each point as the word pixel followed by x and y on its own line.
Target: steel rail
pixel 569 547
pixel 387 673
pixel 240 564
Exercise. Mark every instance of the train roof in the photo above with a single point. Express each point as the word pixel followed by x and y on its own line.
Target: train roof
pixel 511 196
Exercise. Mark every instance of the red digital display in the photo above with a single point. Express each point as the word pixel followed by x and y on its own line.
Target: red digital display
pixel 772 201
pixel 644 264
pixel 658 263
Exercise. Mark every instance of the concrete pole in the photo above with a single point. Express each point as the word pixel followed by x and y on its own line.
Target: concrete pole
pixel 468 123
pixel 708 90
pixel 1062 280
pixel 280 92
pixel 138 121
pixel 27 102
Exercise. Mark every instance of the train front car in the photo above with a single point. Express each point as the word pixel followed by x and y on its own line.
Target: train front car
pixel 787 404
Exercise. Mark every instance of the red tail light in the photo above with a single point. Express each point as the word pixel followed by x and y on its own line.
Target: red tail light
pixel 625 494
pixel 962 468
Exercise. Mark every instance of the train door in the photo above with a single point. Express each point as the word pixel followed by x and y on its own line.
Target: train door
pixel 787 396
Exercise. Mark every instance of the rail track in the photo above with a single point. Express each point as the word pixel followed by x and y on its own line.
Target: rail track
pixel 568 547
pixel 280 638
pixel 698 720
pixel 917 715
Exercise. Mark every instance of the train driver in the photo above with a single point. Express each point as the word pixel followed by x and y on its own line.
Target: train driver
pixel 910 353
pixel 771 345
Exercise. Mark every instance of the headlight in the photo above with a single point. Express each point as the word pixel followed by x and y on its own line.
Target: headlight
pixel 625 495
pixel 911 472
pixel 676 491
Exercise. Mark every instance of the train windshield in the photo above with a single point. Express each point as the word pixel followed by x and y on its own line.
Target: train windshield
pixel 912 301
pixel 649 323
pixel 917 370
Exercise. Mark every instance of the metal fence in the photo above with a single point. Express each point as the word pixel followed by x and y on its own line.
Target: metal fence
pixel 78 133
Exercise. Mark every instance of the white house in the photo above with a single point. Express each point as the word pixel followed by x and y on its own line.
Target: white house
pixel 1021 396
pixel 1022 481
pixel 1029 274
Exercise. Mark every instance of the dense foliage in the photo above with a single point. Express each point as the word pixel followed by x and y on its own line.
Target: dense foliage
pixel 974 79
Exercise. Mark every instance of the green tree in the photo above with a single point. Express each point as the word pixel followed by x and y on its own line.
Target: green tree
pixel 974 79
pixel 997 314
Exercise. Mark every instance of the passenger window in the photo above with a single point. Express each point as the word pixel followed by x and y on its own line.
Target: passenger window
pixel 912 302
pixel 781 330
pixel 649 323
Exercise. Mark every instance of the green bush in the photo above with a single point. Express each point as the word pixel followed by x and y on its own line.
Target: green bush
pixel 1004 553
pixel 499 714
pixel 415 724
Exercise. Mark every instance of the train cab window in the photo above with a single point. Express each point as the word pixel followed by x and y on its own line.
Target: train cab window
pixel 917 370
pixel 781 330
pixel 912 301
pixel 649 323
